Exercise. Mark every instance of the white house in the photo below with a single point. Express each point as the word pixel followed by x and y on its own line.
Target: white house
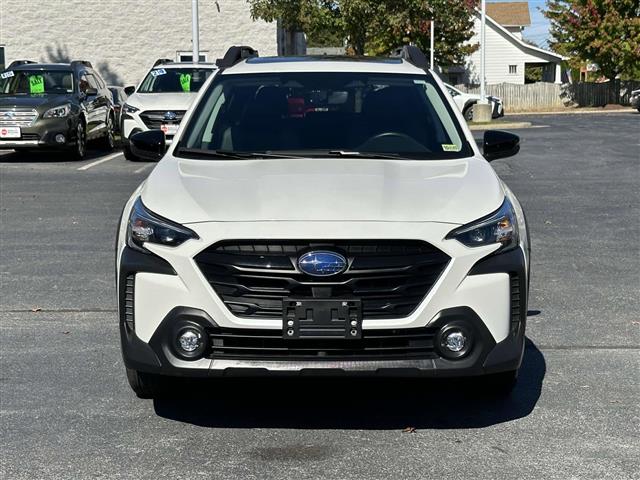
pixel 122 38
pixel 507 54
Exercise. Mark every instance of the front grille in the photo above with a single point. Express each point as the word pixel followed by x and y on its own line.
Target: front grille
pixel 154 119
pixel 129 292
pixel 18 117
pixel 269 344
pixel 390 277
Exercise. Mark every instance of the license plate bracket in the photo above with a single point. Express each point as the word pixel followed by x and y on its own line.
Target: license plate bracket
pixel 322 318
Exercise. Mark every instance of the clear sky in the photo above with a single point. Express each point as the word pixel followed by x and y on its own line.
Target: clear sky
pixel 538 32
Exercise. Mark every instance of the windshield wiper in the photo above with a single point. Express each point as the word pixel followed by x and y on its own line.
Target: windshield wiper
pixel 346 153
pixel 230 154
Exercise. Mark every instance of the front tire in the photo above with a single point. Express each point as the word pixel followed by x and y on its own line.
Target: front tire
pixel 128 154
pixel 468 113
pixel 109 140
pixel 500 385
pixel 80 149
pixel 146 385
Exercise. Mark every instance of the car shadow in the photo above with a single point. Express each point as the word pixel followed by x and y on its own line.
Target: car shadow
pixel 353 403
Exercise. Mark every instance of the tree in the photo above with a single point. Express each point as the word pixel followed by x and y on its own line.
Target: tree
pixel 606 32
pixel 379 26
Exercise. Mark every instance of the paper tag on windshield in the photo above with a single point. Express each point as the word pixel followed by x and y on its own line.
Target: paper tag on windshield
pixel 36 84
pixel 449 147
pixel 185 82
pixel 7 74
pixel 158 71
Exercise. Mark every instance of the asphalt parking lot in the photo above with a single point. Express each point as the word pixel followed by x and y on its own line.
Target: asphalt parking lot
pixel 68 413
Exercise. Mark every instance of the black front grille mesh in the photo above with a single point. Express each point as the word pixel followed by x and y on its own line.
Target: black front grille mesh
pixel 269 344
pixel 391 277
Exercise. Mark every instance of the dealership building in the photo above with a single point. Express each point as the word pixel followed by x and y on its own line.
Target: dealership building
pixel 123 38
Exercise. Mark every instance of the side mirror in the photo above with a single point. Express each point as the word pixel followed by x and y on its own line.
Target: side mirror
pixel 149 145
pixel 499 144
pixel 91 92
pixel 129 90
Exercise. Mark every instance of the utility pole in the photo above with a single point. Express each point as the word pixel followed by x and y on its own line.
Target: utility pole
pixel 431 59
pixel 195 31
pixel 483 94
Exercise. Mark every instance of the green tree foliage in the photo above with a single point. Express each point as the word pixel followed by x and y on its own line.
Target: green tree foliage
pixel 378 26
pixel 606 32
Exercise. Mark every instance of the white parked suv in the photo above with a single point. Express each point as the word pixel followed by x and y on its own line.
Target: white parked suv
pixel 162 99
pixel 322 214
pixel 465 102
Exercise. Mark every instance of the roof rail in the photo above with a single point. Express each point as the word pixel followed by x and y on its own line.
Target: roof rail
pixel 15 63
pixel 236 54
pixel 413 55
pixel 162 61
pixel 86 63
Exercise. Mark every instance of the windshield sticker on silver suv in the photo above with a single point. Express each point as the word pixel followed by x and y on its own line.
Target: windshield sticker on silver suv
pixel 6 74
pixel 158 71
pixel 448 147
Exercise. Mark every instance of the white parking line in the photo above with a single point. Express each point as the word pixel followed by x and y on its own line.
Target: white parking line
pixel 102 160
pixel 142 168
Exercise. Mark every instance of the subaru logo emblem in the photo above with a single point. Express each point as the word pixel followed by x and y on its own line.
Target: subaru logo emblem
pixel 170 116
pixel 9 115
pixel 322 263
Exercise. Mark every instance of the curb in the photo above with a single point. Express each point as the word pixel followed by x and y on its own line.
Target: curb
pixel 499 125
pixel 574 112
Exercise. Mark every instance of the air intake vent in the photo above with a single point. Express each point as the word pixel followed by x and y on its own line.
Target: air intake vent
pixel 129 292
pixel 248 344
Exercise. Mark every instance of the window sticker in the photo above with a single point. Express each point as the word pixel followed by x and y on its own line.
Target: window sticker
pixel 158 71
pixel 449 147
pixel 185 82
pixel 7 74
pixel 36 84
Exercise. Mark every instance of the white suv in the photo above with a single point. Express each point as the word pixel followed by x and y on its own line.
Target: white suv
pixel 323 214
pixel 162 99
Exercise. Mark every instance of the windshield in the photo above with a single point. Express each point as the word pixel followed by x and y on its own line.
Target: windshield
pixel 36 82
pixel 324 113
pixel 172 80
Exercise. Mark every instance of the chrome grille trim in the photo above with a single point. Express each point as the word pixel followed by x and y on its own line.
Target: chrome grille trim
pixel 17 117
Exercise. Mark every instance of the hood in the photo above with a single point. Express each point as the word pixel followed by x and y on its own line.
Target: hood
pixel 448 191
pixel 162 101
pixel 39 102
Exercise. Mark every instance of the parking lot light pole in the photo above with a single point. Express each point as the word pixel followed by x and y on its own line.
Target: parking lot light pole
pixel 432 60
pixel 482 51
pixel 195 31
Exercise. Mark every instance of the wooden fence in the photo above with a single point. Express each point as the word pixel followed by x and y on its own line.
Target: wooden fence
pixel 550 96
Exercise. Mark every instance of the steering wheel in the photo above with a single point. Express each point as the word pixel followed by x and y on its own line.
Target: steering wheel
pixel 392 142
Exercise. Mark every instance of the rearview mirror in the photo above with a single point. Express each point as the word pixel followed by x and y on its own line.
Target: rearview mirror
pixel 499 144
pixel 91 92
pixel 149 145
pixel 129 90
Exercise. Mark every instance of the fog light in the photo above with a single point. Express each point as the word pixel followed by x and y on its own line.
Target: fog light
pixel 455 341
pixel 60 138
pixel 190 340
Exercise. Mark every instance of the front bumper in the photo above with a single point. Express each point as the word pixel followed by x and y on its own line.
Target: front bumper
pixel 484 301
pixel 42 133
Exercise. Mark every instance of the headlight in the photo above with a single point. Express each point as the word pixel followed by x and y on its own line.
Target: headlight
pixel 58 112
pixel 129 108
pixel 499 227
pixel 145 226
